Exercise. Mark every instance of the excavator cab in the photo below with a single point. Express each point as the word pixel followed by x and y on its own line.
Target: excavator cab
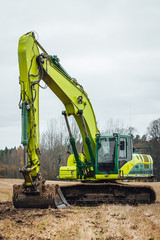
pixel 112 153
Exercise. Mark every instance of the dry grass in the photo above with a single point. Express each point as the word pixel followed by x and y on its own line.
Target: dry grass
pixel 104 222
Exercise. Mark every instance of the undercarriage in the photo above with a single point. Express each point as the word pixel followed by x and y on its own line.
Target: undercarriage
pixel 82 194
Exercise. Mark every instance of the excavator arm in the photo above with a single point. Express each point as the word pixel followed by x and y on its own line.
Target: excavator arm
pixel 35 64
pixel 33 68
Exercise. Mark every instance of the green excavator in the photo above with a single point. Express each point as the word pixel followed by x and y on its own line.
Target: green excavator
pixel 105 159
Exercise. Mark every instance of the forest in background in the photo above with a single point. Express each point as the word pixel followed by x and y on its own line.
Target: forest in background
pixel 55 148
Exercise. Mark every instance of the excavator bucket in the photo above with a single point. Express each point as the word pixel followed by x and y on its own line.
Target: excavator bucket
pixel 50 196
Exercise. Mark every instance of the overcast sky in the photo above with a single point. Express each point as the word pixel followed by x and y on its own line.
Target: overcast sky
pixel 112 47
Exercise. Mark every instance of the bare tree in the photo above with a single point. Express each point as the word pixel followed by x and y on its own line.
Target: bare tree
pixel 116 126
pixel 154 130
pixel 153 134
pixel 10 162
pixel 52 145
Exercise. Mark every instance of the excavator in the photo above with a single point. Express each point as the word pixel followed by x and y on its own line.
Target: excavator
pixel 106 162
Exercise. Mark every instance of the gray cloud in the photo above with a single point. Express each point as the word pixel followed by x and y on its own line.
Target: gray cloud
pixel 111 47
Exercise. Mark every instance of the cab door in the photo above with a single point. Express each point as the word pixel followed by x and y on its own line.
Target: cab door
pixel 125 150
pixel 106 155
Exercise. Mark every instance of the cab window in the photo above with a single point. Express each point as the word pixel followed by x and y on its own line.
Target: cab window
pixel 123 148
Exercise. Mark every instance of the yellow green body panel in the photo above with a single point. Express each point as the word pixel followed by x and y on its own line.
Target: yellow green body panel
pixel 68 173
pixel 138 159
pixel 71 160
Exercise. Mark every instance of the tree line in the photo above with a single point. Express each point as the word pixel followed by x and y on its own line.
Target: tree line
pixel 55 148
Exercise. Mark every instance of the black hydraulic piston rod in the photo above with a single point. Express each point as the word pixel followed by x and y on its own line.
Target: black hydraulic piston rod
pixel 25 131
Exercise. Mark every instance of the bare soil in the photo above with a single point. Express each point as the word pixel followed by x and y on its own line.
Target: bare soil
pixel 103 222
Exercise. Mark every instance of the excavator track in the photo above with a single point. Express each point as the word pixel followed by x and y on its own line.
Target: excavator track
pixel 83 194
pixel 50 196
pixel 97 193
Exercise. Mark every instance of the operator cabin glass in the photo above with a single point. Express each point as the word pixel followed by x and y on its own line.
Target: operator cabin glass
pixel 106 155
pixel 125 153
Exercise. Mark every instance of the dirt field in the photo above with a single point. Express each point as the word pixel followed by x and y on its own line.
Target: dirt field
pixel 107 222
